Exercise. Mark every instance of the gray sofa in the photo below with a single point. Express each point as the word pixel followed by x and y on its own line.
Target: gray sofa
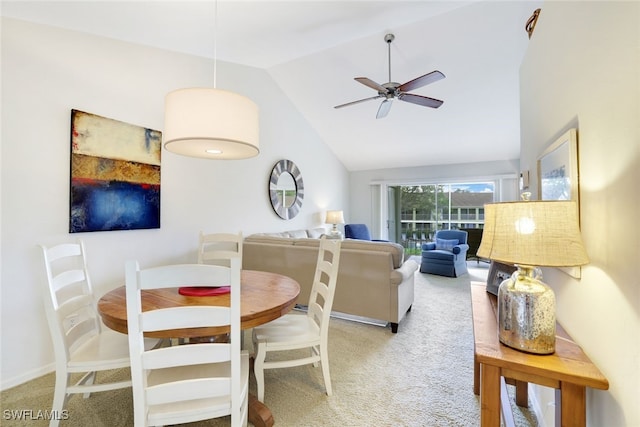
pixel 374 280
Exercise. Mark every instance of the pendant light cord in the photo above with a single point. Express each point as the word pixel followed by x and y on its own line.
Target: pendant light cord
pixel 215 43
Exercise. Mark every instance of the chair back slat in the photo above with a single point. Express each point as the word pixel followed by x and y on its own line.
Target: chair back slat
pixel 181 355
pixel 324 283
pixel 178 275
pixel 218 248
pixel 171 393
pixel 184 317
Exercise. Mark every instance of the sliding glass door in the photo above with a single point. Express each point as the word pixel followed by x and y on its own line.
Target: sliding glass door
pixel 424 209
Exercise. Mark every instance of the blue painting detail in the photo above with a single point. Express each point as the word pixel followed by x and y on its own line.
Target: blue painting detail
pixel 113 205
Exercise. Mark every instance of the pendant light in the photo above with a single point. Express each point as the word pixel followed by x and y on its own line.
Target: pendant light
pixel 211 123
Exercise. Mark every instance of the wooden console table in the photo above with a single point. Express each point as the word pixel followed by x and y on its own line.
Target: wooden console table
pixel 568 370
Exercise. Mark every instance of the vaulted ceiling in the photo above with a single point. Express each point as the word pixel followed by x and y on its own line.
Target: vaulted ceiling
pixel 315 49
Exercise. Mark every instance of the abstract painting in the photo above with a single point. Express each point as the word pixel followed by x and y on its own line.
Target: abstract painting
pixel 115 175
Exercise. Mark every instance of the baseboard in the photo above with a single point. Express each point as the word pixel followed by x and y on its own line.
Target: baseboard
pixel 28 376
pixel 351 317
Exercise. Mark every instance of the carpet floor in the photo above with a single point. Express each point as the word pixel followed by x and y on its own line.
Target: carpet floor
pixel 421 376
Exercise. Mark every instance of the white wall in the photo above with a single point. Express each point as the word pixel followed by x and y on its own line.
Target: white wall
pixel 45 73
pixel 582 69
pixel 365 197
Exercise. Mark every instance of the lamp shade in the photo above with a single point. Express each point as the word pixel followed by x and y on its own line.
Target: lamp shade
pixel 334 217
pixel 534 233
pixel 211 123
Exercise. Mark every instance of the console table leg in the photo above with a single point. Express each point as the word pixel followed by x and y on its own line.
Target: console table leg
pixel 573 405
pixel 522 393
pixel 490 396
pixel 476 375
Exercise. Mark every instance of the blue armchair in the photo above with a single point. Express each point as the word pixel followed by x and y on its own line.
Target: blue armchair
pixel 446 255
pixel 358 231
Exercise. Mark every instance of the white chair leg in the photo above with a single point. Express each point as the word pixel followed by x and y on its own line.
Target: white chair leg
pixel 59 396
pixel 258 369
pixel 315 351
pixel 90 379
pixel 325 370
pixel 245 411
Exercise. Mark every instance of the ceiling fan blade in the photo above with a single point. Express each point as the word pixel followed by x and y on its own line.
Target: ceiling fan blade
pixel 370 83
pixel 384 108
pixel 420 100
pixel 431 77
pixel 357 102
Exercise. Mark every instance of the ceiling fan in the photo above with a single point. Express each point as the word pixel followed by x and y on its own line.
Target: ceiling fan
pixel 391 90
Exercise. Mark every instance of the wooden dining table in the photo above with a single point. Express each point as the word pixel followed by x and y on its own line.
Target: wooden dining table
pixel 264 297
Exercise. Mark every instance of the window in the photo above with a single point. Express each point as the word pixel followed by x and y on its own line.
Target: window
pixel 424 209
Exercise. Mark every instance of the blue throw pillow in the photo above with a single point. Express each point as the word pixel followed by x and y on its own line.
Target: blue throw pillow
pixel 446 245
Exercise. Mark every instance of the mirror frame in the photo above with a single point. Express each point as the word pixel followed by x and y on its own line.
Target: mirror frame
pixel 286 166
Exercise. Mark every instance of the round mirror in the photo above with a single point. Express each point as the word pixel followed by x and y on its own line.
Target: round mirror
pixel 286 189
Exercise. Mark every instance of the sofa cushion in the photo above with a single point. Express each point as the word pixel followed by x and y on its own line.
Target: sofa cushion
pixel 281 234
pixel 445 244
pixel 438 255
pixel 315 233
pixel 297 234
pixel 396 250
pixel 272 238
pixel 307 242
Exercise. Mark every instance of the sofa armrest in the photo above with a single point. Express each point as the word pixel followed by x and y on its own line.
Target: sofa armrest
pixel 402 273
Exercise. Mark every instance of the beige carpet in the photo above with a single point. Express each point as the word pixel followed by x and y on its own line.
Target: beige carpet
pixel 421 376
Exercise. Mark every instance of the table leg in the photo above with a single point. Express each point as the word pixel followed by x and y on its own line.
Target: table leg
pixel 572 405
pixel 490 396
pixel 259 414
pixel 522 393
pixel 476 375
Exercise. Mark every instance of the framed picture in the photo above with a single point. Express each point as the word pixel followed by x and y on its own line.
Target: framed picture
pixel 558 177
pixel 115 175
pixel 558 169
pixel 497 273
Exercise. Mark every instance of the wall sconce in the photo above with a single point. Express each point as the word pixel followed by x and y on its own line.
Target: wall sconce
pixel 529 234
pixel 524 180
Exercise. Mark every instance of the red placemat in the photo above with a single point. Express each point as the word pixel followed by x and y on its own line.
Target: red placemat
pixel 205 291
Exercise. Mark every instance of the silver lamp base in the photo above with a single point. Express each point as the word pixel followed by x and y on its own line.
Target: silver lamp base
pixel 334 233
pixel 527 312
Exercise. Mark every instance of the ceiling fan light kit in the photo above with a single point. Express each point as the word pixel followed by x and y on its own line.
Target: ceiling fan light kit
pixel 392 90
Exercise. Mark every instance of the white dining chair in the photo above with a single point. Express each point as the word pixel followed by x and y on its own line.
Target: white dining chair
pixel 217 248
pixel 81 343
pixel 299 331
pixel 186 383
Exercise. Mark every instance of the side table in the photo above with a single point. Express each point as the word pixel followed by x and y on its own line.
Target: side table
pixel 568 370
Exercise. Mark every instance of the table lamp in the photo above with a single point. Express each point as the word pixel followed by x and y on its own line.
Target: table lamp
pixel 335 218
pixel 530 234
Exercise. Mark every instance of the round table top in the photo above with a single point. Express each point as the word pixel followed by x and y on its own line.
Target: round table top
pixel 264 297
